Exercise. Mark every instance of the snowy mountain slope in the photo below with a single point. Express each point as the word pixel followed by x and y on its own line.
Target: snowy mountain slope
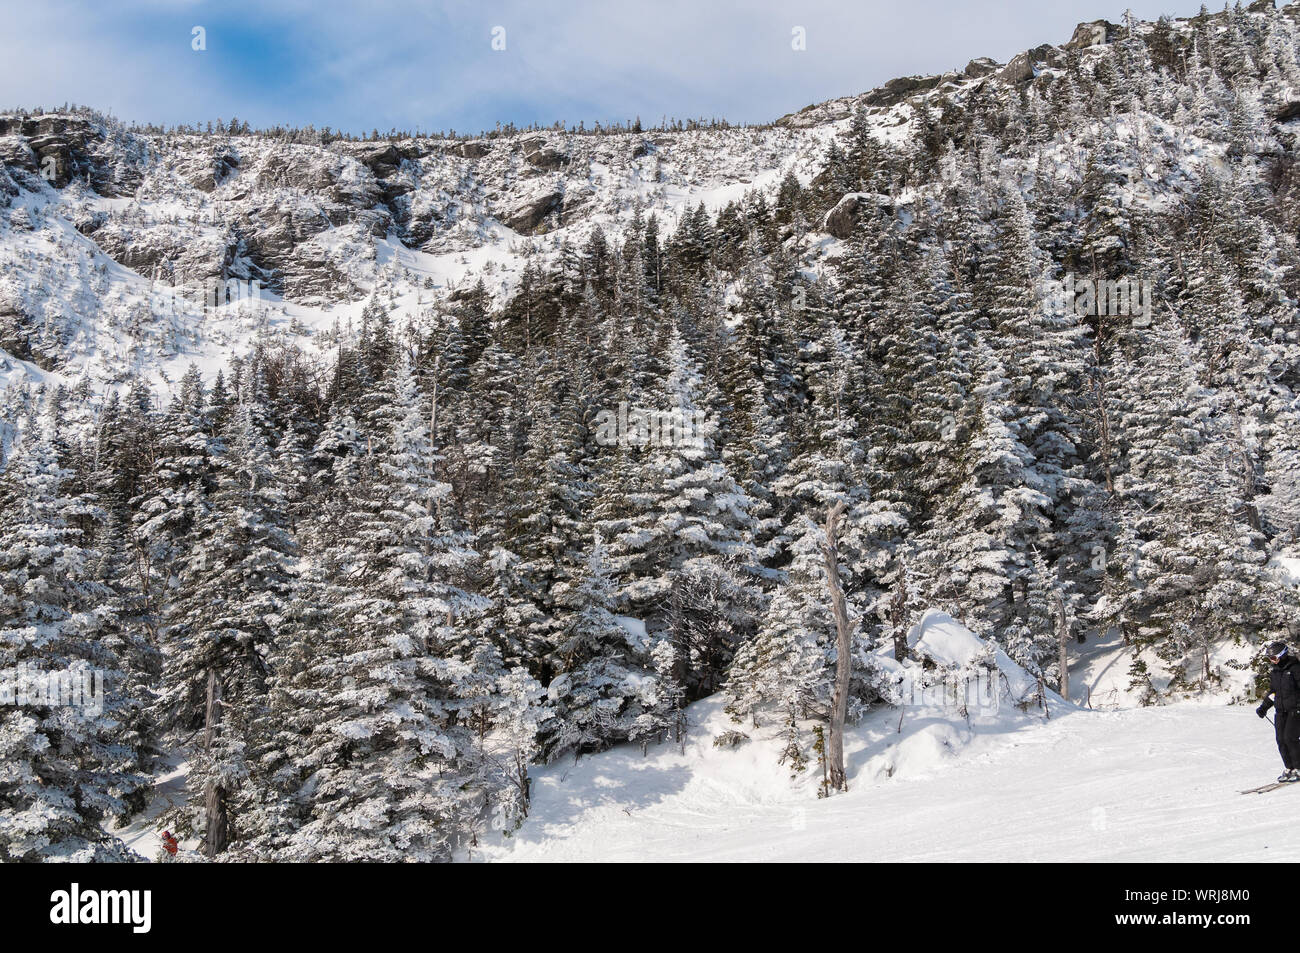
pixel 1121 784
pixel 962 700
pixel 322 226
pixel 1148 785
pixel 85 251
pixel 325 224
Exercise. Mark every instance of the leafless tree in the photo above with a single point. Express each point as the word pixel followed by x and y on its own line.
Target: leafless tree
pixel 843 644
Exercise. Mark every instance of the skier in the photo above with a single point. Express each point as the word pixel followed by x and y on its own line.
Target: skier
pixel 1284 693
pixel 169 843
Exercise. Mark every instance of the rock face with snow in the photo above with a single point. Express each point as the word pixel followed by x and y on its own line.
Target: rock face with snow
pixel 1093 33
pixel 540 154
pixel 843 218
pixel 897 90
pixel 980 66
pixel 316 222
pixel 526 213
pixel 59 148
pixel 1023 66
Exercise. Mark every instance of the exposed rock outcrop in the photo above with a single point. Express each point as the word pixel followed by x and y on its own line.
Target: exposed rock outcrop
pixel 472 150
pixel 383 159
pixel 1021 67
pixel 1091 33
pixel 541 155
pixel 526 213
pixel 176 254
pixel 897 90
pixel 64 148
pixel 843 218
pixel 210 176
pixel 17 330
pixel 981 66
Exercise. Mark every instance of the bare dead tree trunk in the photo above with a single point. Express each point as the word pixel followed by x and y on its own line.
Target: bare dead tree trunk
pixel 843 645
pixel 1248 482
pixel 898 615
pixel 1062 642
pixel 212 715
pixel 214 797
pixel 522 781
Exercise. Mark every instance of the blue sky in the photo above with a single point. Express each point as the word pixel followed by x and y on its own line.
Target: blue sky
pixel 431 65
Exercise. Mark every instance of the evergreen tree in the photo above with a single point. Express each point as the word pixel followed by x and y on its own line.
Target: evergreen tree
pixel 66 765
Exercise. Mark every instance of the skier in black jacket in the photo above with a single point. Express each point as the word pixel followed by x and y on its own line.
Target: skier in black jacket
pixel 1284 693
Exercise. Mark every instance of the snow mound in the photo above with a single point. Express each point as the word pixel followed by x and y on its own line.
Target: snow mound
pixel 1287 566
pixel 949 644
pixel 942 637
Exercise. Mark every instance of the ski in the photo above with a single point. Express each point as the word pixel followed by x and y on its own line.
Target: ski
pixel 1270 787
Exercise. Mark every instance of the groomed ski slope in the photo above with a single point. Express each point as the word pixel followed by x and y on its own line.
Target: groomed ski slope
pixel 1147 784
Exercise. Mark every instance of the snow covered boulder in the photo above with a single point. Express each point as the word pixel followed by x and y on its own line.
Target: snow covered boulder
pixel 843 218
pixel 1286 566
pixel 952 667
pixel 730 739
pixel 540 154
pixel 1024 66
pixel 903 87
pixel 382 159
pixel 472 150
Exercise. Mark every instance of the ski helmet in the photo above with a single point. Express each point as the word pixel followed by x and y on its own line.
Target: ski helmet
pixel 1276 649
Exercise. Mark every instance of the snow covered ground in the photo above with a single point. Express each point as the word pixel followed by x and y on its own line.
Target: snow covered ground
pixel 1149 784
pixel 143 834
pixel 1000 779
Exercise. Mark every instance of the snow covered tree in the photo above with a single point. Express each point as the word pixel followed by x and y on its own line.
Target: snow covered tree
pixel 603 684
pixel 65 768
pixel 384 762
pixel 223 619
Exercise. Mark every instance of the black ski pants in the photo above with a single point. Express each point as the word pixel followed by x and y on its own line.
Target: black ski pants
pixel 1287 724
